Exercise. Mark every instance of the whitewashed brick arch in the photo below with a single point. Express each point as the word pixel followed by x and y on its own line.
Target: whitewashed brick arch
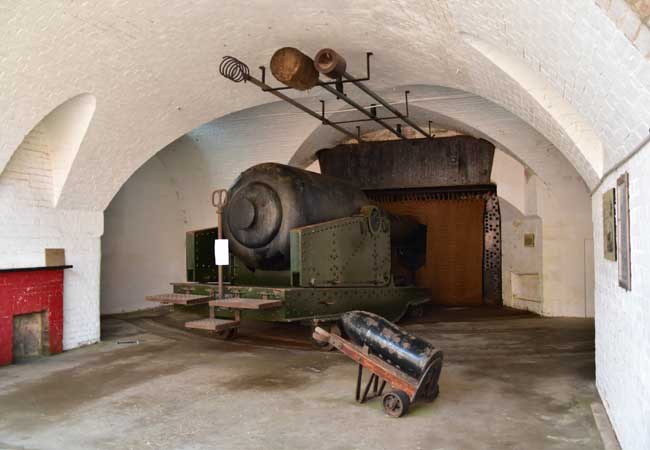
pixel 40 164
pixel 155 74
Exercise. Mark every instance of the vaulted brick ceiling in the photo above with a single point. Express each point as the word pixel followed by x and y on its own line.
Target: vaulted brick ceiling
pixel 569 71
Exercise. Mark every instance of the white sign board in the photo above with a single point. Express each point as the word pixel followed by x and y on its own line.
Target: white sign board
pixel 221 252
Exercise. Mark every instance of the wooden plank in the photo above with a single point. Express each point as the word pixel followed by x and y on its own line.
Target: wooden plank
pixel 396 378
pixel 55 257
pixel 179 299
pixel 246 303
pixel 213 324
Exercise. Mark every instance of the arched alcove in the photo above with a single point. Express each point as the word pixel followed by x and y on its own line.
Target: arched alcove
pixel 66 127
pixel 41 163
pixel 30 185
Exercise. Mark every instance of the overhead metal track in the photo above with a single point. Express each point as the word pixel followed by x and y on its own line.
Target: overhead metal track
pixel 361 109
pixel 299 72
pixel 237 71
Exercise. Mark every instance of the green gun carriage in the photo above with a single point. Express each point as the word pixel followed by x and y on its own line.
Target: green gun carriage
pixel 311 270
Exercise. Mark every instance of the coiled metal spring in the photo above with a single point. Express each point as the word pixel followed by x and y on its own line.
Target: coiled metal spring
pixel 234 69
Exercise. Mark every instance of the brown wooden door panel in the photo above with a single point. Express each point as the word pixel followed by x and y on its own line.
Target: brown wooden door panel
pixel 453 269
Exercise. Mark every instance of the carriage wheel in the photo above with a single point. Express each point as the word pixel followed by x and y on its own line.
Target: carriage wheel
pixel 396 403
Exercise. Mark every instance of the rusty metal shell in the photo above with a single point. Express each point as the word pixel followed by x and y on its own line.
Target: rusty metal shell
pixel 330 63
pixel 293 68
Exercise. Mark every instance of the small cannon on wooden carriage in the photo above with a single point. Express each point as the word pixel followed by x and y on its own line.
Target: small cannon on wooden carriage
pixel 409 364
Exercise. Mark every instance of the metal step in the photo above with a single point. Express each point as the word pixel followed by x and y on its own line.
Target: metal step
pixel 213 324
pixel 245 303
pixel 179 299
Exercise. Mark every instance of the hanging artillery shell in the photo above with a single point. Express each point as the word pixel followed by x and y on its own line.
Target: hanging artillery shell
pixel 292 67
pixel 330 63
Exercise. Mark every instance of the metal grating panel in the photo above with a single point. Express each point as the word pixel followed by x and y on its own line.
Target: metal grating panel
pixel 492 250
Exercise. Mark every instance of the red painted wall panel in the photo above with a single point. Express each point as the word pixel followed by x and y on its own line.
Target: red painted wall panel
pixel 24 292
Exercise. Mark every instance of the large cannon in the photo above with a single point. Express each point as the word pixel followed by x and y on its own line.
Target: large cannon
pixel 268 200
pixel 307 247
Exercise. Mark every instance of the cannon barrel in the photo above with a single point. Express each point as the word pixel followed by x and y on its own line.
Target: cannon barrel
pixel 386 340
pixel 268 200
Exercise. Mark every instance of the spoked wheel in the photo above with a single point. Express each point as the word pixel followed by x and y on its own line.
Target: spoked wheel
pixel 226 335
pixel 325 346
pixel 396 403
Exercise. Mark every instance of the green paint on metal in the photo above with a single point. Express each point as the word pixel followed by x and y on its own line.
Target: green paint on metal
pixel 336 266
pixel 303 304
pixel 342 252
pixel 199 256
pixel 242 275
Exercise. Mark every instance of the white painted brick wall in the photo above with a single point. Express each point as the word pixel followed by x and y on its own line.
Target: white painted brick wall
pixel 25 236
pixel 173 190
pixel 628 15
pixel 157 80
pixel 623 318
pixel 580 52
pixel 517 258
pixel 29 225
pixel 27 179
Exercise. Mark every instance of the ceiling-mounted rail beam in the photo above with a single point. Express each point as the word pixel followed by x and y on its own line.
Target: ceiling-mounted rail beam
pixel 361 109
pixel 333 65
pixel 302 107
pixel 237 71
pixel 386 105
pixel 298 71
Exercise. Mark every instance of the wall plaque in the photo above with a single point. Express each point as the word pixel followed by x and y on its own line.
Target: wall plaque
pixel 529 239
pixel 623 231
pixel 609 225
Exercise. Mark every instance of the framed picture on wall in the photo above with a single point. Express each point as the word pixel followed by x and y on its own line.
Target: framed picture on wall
pixel 623 231
pixel 609 225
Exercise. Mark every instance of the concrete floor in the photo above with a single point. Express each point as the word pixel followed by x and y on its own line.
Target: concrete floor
pixel 510 381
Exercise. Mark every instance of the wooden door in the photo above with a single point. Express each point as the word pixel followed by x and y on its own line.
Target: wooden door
pixel 454 255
